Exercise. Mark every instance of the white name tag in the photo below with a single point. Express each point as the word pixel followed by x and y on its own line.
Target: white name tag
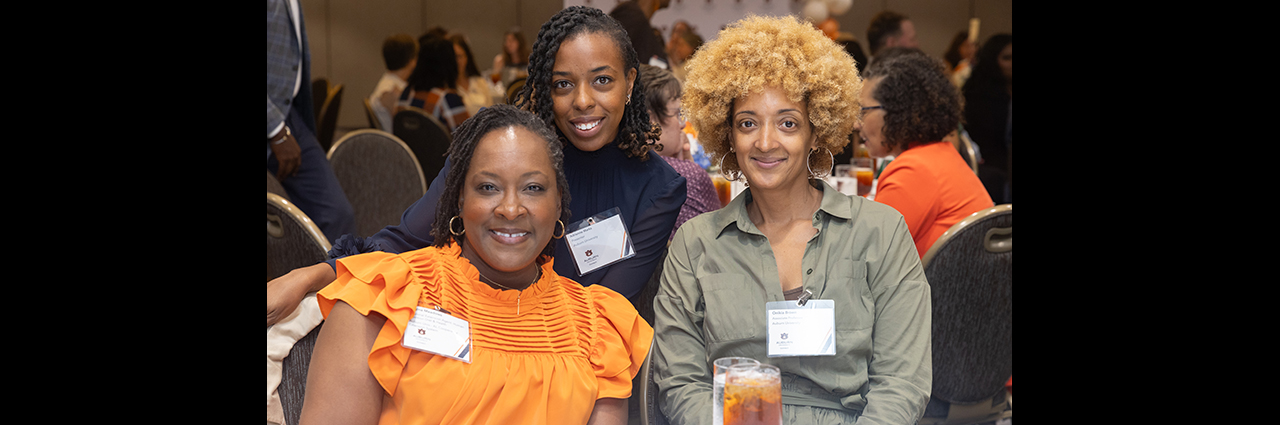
pixel 796 330
pixel 439 333
pixel 598 241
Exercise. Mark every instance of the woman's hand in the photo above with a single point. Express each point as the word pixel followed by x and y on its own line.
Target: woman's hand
pixel 285 292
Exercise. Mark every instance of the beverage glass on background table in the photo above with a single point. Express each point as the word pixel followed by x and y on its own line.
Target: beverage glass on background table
pixel 723 188
pixel 865 173
pixel 753 395
pixel 719 368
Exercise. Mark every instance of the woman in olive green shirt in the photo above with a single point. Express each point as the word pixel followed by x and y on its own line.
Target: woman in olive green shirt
pixel 774 99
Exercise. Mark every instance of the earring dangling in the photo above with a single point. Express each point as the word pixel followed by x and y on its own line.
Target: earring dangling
pixel 812 175
pixel 562 229
pixel 464 229
pixel 734 177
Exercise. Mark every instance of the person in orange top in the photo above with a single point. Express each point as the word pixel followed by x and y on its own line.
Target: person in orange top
pixel 909 106
pixel 542 349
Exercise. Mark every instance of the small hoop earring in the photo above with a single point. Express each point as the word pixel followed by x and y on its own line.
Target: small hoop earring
pixel 811 173
pixel 562 229
pixel 464 229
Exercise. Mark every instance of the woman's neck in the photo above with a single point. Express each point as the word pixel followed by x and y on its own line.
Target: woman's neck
pixel 516 280
pixel 783 204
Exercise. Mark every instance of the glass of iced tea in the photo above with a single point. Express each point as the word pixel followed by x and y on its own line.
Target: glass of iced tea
pixel 753 395
pixel 724 188
pixel 863 171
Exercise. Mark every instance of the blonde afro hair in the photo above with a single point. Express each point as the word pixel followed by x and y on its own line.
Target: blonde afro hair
pixel 784 52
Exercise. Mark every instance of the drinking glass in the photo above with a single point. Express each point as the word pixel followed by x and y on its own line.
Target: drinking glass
pixel 865 174
pixel 720 366
pixel 753 395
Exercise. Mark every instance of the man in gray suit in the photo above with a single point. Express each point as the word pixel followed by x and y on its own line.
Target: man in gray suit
pixel 293 153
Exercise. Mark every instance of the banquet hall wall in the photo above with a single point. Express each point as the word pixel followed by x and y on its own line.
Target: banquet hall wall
pixel 346 35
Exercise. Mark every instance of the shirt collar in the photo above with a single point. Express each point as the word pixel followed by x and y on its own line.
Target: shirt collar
pixel 834 203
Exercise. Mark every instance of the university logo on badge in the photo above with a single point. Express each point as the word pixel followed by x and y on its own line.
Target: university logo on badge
pixel 588 253
pixel 784 335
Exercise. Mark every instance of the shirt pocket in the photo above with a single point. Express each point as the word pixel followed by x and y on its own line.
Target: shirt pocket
pixel 847 287
pixel 734 307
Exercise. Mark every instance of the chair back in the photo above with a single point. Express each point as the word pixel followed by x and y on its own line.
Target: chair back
pixel 293 240
pixel 970 273
pixel 380 176
pixel 319 94
pixel 513 90
pixel 293 376
pixel 650 414
pixel 372 116
pixel 274 186
pixel 327 118
pixel 426 136
pixel 968 152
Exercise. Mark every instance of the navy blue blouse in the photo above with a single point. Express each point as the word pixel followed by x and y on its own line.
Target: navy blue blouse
pixel 648 194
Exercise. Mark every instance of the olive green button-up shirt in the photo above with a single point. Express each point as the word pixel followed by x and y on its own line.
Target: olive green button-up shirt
pixel 720 271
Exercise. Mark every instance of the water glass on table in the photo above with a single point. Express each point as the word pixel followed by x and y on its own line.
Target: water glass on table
pixel 719 368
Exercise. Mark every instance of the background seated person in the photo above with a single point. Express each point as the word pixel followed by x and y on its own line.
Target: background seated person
pixel 543 349
pixel 909 106
pixel 433 84
pixel 663 92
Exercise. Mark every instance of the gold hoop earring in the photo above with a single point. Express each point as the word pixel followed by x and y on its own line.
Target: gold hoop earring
pixel 734 176
pixel 562 229
pixel 811 173
pixel 464 229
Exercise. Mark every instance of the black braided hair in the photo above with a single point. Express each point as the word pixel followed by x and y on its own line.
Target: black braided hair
pixel 465 139
pixel 636 134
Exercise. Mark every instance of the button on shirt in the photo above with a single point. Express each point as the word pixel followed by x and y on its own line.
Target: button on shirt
pixel 720 271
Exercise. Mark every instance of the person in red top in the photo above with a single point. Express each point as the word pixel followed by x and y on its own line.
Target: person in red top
pixel 909 107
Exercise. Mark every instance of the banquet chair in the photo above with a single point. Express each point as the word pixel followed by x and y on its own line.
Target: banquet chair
pixel 380 176
pixel 327 117
pixel 274 186
pixel 970 273
pixel 371 116
pixel 650 414
pixel 514 90
pixel 968 152
pixel 426 136
pixel 293 377
pixel 319 92
pixel 293 240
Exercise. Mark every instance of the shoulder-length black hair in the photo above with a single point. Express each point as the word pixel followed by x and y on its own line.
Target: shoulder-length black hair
pixel 921 105
pixel 437 65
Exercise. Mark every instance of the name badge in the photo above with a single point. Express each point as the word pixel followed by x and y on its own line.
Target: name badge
pixel 437 332
pixel 805 328
pixel 598 241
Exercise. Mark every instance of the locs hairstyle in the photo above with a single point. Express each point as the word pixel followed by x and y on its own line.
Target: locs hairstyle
pixel 465 139
pixel 635 133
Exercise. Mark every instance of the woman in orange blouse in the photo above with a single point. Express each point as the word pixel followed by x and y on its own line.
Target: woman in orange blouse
pixel 909 106
pixel 542 349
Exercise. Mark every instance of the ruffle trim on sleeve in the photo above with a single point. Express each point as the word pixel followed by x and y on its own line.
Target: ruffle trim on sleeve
pixel 378 282
pixel 623 340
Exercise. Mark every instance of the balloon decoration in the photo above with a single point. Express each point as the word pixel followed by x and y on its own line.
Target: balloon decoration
pixel 819 10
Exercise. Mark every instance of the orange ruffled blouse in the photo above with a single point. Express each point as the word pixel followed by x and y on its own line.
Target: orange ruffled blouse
pixel 548 363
